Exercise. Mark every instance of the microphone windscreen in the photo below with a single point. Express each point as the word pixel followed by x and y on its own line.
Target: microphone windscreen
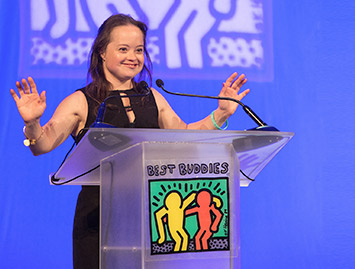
pixel 143 84
pixel 144 87
pixel 159 83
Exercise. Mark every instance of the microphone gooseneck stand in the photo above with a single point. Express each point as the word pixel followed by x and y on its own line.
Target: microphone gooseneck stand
pixel 262 126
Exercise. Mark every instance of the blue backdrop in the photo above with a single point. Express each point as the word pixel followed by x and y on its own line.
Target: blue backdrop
pixel 299 213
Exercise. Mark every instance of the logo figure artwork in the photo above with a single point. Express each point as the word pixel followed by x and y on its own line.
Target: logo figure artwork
pixel 172 213
pixel 186 38
pixel 189 215
pixel 206 204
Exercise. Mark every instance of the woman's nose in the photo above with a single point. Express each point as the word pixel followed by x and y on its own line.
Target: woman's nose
pixel 131 55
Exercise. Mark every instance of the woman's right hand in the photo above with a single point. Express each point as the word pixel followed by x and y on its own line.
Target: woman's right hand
pixel 30 104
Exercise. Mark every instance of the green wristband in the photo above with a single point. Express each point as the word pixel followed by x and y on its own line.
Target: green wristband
pixel 215 124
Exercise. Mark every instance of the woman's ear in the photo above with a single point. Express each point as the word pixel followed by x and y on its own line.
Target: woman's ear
pixel 103 56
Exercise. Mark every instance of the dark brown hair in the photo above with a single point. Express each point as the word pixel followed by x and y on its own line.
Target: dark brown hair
pixel 100 86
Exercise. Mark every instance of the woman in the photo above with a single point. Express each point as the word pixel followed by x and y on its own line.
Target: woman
pixel 119 59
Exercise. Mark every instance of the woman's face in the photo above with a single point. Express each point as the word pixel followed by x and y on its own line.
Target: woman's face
pixel 123 58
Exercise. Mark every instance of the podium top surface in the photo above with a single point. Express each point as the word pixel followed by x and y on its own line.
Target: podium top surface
pixel 254 148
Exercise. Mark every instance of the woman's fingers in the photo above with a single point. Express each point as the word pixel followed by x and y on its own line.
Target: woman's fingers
pixel 236 82
pixel 243 94
pixel 229 80
pixel 43 96
pixel 14 95
pixel 19 88
pixel 32 84
pixel 26 87
pixel 239 82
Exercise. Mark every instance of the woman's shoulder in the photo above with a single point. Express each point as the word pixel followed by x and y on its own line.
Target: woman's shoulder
pixel 81 91
pixel 159 98
pixel 79 95
pixel 76 101
pixel 156 94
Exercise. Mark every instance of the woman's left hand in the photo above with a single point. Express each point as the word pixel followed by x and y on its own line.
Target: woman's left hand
pixel 231 89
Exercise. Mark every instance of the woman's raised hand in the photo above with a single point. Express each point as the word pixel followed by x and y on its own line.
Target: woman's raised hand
pixel 231 89
pixel 30 104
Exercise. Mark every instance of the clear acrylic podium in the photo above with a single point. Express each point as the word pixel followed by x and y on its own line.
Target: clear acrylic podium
pixel 170 198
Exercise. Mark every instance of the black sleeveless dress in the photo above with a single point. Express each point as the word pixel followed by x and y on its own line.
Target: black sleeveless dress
pixel 86 220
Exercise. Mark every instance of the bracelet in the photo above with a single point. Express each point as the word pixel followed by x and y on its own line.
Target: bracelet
pixel 31 142
pixel 215 124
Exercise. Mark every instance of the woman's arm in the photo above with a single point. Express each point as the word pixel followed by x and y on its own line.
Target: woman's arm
pixel 68 118
pixel 168 119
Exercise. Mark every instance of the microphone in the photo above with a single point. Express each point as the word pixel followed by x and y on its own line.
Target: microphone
pixel 102 108
pixel 261 124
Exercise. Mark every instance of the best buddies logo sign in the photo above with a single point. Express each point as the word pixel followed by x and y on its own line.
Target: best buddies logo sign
pixel 186 39
pixel 188 214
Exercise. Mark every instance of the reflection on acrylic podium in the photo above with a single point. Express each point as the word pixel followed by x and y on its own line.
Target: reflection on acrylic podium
pixel 170 198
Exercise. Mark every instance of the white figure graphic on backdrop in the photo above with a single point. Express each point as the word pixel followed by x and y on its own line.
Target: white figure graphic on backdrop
pixel 185 34
pixel 99 11
pixel 200 25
